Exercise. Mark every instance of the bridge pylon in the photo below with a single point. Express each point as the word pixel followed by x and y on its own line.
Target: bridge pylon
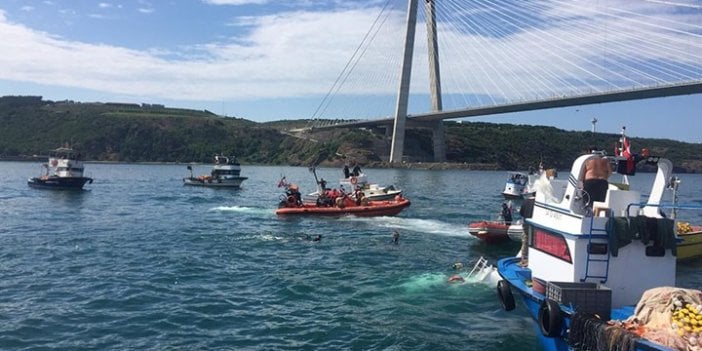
pixel 400 121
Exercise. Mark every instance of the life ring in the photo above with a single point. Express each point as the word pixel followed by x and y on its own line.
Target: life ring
pixel 354 180
pixel 550 319
pixel 504 292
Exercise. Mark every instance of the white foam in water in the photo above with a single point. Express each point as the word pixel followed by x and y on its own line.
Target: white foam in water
pixel 242 209
pixel 429 226
pixel 424 282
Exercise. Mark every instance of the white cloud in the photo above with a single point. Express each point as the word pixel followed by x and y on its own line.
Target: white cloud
pixel 145 10
pixel 301 53
pixel 27 8
pixel 104 5
pixel 235 2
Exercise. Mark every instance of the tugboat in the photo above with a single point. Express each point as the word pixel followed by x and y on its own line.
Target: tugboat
pixel 225 174
pixel 603 272
pixel 63 171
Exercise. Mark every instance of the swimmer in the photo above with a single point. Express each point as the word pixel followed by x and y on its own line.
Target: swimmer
pixel 395 237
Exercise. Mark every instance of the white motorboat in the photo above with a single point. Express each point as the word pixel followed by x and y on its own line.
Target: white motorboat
pixel 64 171
pixel 226 173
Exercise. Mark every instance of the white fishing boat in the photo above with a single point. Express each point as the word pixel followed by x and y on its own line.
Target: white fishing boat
pixel 63 170
pixel 603 273
pixel 226 173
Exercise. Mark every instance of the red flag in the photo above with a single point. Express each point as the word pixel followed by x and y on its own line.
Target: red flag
pixel 626 152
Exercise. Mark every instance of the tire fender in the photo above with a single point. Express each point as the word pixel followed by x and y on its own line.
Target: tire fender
pixel 504 292
pixel 550 319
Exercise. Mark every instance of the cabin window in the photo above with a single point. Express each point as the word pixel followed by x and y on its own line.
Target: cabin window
pixel 552 244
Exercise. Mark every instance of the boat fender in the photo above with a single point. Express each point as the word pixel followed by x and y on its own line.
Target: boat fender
pixel 550 319
pixel 354 180
pixel 504 292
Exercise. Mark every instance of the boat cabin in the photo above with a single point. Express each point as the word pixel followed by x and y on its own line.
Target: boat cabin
pixel 620 243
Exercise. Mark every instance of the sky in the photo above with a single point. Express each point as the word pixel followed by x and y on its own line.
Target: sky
pixel 261 60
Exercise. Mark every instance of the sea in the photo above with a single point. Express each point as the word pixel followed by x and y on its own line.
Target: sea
pixel 138 261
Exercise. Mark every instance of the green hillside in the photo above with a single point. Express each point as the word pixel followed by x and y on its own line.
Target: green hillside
pixel 155 133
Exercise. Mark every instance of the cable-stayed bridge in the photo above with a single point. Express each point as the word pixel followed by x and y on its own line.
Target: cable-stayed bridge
pixel 423 61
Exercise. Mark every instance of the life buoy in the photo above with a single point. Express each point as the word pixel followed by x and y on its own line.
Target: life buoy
pixel 504 292
pixel 354 180
pixel 550 319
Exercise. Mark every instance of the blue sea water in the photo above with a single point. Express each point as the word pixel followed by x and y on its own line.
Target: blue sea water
pixel 138 261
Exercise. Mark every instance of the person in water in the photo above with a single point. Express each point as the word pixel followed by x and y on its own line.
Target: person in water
pixel 395 237
pixel 597 171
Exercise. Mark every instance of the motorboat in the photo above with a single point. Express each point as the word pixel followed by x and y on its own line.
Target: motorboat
pixel 371 191
pixel 521 185
pixel 63 170
pixel 516 185
pixel 494 232
pixel 690 245
pixel 603 273
pixel 342 204
pixel 226 173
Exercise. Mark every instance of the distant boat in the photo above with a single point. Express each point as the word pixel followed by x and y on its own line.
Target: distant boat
pixel 225 174
pixel 339 204
pixel 372 191
pixel 516 185
pixel 690 247
pixel 63 171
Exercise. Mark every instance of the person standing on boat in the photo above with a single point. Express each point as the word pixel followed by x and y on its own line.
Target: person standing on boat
pixel 597 171
pixel 347 173
pixel 525 211
pixel 506 214
pixel 356 170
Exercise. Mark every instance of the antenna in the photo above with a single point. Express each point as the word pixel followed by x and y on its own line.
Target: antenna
pixel 594 122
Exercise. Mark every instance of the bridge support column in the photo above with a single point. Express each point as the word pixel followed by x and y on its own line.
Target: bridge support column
pixel 438 138
pixel 398 133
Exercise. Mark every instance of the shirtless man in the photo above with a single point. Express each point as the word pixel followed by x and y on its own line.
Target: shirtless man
pixel 597 170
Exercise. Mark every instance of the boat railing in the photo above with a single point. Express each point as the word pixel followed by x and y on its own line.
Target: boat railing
pixel 479 266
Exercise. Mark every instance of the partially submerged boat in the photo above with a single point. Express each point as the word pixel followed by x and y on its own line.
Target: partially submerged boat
pixel 603 275
pixel 226 173
pixel 495 232
pixel 63 171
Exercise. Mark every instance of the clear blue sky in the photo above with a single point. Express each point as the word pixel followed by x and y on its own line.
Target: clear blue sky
pixel 256 59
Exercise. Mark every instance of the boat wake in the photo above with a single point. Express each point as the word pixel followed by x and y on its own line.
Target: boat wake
pixel 428 226
pixel 258 211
